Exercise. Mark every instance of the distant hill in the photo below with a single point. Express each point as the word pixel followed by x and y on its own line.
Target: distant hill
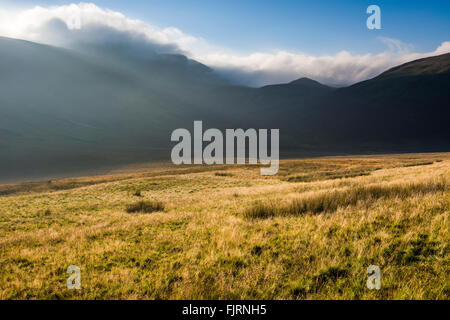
pixel 67 111
pixel 404 109
pixel 427 66
pixel 405 106
pixel 63 110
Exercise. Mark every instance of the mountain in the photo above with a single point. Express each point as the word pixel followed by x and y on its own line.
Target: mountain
pixel 405 106
pixel 73 111
pixel 65 110
pixel 425 66
pixel 403 109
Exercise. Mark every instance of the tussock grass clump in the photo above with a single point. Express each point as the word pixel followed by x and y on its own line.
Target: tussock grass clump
pixel 329 175
pixel 44 213
pixel 331 201
pixel 330 274
pixel 223 174
pixel 145 206
pixel 415 164
pixel 261 210
pixel 326 277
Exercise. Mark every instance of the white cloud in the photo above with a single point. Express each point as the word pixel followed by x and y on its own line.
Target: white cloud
pixel 255 69
pixel 342 68
pixel 28 24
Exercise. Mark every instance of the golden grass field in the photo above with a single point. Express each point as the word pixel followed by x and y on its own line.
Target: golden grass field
pixel 225 232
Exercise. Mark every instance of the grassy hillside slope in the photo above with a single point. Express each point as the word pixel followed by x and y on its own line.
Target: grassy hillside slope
pixel 218 232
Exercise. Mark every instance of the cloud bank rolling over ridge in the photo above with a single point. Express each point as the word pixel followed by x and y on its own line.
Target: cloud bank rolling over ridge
pixel 75 24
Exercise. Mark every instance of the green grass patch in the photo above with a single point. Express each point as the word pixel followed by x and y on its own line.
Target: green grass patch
pixel 331 201
pixel 145 206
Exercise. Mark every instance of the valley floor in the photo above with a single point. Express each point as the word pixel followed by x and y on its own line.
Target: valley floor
pixel 225 232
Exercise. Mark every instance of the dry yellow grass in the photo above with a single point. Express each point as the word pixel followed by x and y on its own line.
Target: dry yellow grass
pixel 323 222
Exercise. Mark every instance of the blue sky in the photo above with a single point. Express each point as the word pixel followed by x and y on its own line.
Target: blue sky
pixel 255 42
pixel 314 27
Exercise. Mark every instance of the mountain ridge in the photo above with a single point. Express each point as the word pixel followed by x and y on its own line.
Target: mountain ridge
pixel 59 106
